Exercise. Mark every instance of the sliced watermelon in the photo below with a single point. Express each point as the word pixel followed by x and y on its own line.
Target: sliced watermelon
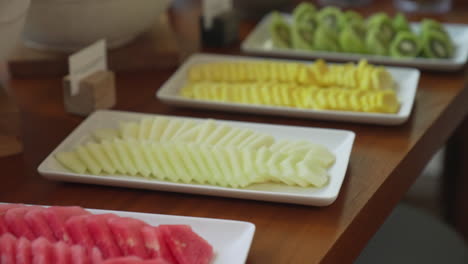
pixel 156 261
pixel 102 235
pixel 3 209
pixel 187 246
pixel 127 234
pixel 61 253
pixel 155 244
pixel 56 217
pixel 23 251
pixel 78 255
pixel 78 232
pixel 14 219
pixel 7 248
pixel 37 222
pixel 42 251
pixel 124 260
pixel 95 255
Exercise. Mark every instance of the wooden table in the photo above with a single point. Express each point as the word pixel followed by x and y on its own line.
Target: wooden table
pixel 385 161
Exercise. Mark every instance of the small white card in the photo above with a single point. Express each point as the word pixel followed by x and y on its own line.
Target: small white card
pixel 212 8
pixel 85 62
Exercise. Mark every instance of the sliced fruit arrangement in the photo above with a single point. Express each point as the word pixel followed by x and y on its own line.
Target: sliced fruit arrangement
pixel 182 150
pixel 347 87
pixel 331 29
pixel 83 237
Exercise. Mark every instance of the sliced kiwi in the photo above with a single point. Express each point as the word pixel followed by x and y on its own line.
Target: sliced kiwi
pixel 326 39
pixel 431 25
pixel 352 38
pixel 303 36
pixel 330 17
pixel 436 45
pixel 405 45
pixel 374 42
pixel 400 23
pixel 303 12
pixel 280 32
pixel 353 17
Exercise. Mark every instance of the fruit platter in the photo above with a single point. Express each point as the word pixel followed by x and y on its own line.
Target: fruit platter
pixel 332 33
pixel 71 234
pixel 352 92
pixel 204 156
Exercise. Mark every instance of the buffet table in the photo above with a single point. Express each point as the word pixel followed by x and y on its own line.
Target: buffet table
pixel 384 162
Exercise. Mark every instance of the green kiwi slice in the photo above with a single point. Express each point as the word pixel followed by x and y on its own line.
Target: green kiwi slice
pixel 326 39
pixel 374 42
pixel 352 38
pixel 400 23
pixel 303 12
pixel 383 25
pixel 405 45
pixel 303 36
pixel 280 32
pixel 330 17
pixel 436 45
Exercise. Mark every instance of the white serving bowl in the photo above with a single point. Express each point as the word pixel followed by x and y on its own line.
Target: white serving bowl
pixel 68 25
pixel 12 18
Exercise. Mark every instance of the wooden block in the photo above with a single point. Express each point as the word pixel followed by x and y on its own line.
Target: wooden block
pixel 10 131
pixel 96 91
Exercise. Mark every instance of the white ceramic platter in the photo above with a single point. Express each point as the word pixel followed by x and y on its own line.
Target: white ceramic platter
pixel 230 239
pixel 407 82
pixel 259 42
pixel 337 141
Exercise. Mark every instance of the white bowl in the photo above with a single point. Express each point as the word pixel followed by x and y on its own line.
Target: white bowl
pixel 68 25
pixel 12 19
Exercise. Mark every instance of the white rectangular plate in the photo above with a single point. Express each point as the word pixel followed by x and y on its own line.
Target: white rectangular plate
pixel 337 141
pixel 230 239
pixel 259 42
pixel 407 82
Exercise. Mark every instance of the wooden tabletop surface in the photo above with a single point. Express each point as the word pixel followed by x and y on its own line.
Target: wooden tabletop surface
pixel 385 160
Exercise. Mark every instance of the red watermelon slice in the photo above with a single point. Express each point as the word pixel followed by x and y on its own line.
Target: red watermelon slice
pixel 95 256
pixel 23 251
pixel 7 248
pixel 14 219
pixel 187 246
pixel 124 260
pixel 38 224
pixel 78 231
pixel 56 217
pixel 61 253
pixel 3 209
pixel 127 234
pixel 155 244
pixel 155 261
pixel 78 255
pixel 42 251
pixel 102 235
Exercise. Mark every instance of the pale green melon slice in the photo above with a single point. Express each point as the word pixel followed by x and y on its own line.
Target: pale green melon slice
pixel 235 159
pixel 124 156
pixel 288 170
pixel 144 148
pixel 224 141
pixel 111 152
pixel 137 157
pixel 192 168
pixel 146 125
pixel 100 157
pixel 129 130
pixel 157 129
pixel 262 157
pixel 260 140
pixel 249 166
pixel 88 160
pixel 163 164
pixel 71 161
pixel 172 127
pixel 206 128
pixel 177 163
pixel 242 136
pixel 217 134
pixel 226 176
pixel 212 165
pixel 105 134
pixel 187 125
pixel 274 169
pixel 205 173
pixel 190 135
pixel 313 172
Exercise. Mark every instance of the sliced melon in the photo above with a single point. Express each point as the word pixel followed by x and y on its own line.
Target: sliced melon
pixel 112 155
pixel 137 157
pixel 158 127
pixel 124 157
pixel 100 157
pixel 105 134
pixel 71 161
pixel 146 124
pixel 86 158
pixel 172 127
pixel 129 130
